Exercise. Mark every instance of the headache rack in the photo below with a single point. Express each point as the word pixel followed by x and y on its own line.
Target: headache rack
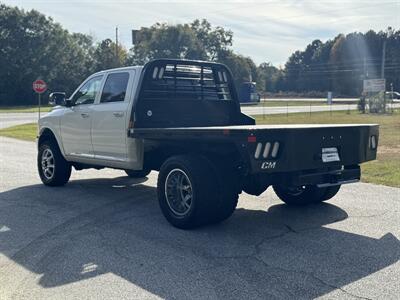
pixel 186 80
pixel 186 93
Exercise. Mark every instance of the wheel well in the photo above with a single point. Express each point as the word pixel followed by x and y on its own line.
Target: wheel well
pixel 46 135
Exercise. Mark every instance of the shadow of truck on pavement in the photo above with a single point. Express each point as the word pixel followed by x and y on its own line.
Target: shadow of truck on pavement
pixel 94 227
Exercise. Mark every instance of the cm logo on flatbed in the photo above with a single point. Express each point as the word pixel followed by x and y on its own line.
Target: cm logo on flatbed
pixel 268 165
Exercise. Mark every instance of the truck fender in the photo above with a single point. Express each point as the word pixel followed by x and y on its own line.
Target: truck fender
pixel 48 134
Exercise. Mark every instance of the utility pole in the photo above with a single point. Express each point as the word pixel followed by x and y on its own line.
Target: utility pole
pixel 365 68
pixel 116 45
pixel 386 37
pixel 383 59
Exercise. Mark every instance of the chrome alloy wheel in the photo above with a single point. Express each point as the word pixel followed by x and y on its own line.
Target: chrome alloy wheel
pixel 178 192
pixel 48 164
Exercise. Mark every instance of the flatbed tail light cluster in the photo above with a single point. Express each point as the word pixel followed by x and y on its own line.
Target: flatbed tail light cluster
pixel 269 149
pixel 372 142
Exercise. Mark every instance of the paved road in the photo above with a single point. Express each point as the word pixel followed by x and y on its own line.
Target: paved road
pixel 260 110
pixel 311 99
pixel 103 236
pixel 11 119
pixel 335 100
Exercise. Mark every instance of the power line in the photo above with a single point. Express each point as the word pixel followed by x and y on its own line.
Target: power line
pixel 303 15
pixel 333 69
pixel 116 44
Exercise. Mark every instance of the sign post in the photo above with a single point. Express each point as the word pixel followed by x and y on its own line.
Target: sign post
pixel 39 86
pixel 329 98
pixel 329 101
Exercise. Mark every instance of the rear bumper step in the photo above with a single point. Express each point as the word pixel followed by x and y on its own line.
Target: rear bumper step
pixel 337 183
pixel 347 175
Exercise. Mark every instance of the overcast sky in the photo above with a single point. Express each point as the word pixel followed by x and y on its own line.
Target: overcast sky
pixel 264 30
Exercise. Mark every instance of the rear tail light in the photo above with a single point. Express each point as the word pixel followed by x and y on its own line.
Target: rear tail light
pixel 251 139
pixel 372 142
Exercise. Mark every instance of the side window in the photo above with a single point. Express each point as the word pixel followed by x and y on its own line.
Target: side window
pixel 87 93
pixel 115 87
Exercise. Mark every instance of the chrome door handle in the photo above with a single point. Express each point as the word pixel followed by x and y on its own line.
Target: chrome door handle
pixel 85 115
pixel 118 114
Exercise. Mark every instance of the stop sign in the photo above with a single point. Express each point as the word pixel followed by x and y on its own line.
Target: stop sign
pixel 39 86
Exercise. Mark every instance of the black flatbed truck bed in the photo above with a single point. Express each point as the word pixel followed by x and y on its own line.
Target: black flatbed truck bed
pixel 350 139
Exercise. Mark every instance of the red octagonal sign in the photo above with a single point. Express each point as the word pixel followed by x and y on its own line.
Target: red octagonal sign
pixel 39 86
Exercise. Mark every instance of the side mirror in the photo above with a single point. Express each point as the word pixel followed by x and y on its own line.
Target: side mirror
pixel 68 102
pixel 57 98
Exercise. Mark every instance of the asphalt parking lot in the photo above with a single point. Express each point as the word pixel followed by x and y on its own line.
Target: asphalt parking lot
pixel 103 236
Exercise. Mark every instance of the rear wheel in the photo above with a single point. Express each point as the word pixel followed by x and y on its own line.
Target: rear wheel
pixel 137 173
pixel 53 169
pixel 191 192
pixel 226 208
pixel 303 195
pixel 229 195
pixel 331 192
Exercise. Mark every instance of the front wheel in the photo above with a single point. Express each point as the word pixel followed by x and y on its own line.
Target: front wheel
pixel 53 169
pixel 303 195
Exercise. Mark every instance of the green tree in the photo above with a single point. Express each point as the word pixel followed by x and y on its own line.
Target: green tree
pixel 33 46
pixel 107 55
pixel 268 78
pixel 242 67
pixel 340 65
pixel 293 70
pixel 166 41
pixel 213 41
pixel 197 40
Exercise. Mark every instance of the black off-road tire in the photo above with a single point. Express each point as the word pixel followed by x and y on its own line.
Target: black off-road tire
pixel 62 169
pixel 137 173
pixel 229 194
pixel 331 192
pixel 305 195
pixel 206 201
pixel 226 209
pixel 254 186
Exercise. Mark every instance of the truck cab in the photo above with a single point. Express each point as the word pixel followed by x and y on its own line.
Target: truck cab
pixel 91 126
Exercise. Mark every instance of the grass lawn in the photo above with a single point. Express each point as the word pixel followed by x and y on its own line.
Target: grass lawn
pixel 27 132
pixel 385 170
pixel 24 109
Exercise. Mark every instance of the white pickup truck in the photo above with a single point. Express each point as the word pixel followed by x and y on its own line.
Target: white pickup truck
pixel 183 119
